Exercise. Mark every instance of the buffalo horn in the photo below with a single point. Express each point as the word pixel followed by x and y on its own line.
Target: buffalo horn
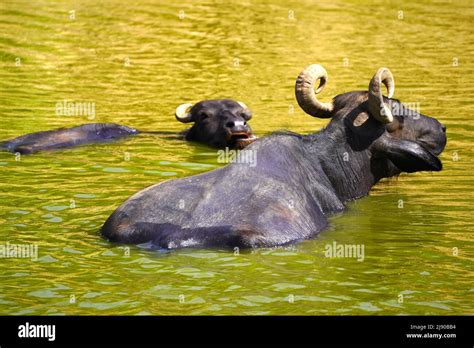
pixel 380 110
pixel 306 95
pixel 182 113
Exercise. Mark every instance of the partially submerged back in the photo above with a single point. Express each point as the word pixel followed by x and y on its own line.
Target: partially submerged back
pixel 67 137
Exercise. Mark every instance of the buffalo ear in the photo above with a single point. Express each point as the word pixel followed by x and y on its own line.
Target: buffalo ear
pixel 410 157
pixel 247 115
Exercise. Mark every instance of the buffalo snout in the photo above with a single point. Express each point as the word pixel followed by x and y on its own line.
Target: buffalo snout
pixel 237 126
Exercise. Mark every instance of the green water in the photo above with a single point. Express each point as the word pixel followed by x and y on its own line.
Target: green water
pixel 137 61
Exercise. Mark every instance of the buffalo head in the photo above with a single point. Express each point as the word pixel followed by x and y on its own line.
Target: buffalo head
pixel 219 123
pixel 395 138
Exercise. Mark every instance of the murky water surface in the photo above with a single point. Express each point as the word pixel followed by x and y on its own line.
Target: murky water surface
pixel 137 61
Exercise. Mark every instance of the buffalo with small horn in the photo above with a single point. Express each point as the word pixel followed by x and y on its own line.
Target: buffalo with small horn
pixel 219 123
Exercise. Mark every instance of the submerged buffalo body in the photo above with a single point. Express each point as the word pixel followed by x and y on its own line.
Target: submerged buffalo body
pixel 67 137
pixel 220 123
pixel 296 181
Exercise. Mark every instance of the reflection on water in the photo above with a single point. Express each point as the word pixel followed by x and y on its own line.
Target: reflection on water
pixel 137 63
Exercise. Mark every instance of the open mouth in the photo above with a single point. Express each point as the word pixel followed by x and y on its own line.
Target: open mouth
pixel 432 148
pixel 241 139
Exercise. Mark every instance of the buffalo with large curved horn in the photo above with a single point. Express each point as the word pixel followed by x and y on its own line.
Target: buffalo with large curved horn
pixel 298 180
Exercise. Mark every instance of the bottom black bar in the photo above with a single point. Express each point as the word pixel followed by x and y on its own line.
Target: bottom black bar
pixel 171 331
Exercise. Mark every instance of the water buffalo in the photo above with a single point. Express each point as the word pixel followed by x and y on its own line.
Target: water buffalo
pixel 298 179
pixel 219 123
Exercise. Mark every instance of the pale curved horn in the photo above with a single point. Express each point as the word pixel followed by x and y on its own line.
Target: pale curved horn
pixel 380 110
pixel 242 104
pixel 182 113
pixel 306 95
pixel 247 110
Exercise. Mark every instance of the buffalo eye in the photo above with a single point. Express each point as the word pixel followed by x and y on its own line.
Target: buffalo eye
pixel 203 115
pixel 396 125
pixel 246 116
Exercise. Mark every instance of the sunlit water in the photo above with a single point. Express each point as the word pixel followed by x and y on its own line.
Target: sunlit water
pixel 137 61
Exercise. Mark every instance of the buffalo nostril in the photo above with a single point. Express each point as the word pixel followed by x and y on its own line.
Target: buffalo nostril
pixel 443 127
pixel 230 124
